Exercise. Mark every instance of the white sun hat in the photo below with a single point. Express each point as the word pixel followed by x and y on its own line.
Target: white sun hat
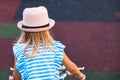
pixel 35 19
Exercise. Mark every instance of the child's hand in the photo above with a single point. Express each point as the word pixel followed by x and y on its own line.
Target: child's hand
pixel 70 74
pixel 84 77
pixel 10 77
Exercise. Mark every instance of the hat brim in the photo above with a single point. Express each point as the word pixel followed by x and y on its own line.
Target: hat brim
pixel 51 24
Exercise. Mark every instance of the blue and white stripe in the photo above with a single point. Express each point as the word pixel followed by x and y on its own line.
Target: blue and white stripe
pixel 45 66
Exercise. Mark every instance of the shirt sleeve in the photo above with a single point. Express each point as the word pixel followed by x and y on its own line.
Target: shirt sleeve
pixel 59 55
pixel 17 49
pixel 60 47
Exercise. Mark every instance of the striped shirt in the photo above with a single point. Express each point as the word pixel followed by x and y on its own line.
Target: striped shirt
pixel 45 66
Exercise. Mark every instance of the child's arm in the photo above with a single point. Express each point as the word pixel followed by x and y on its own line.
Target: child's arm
pixel 72 68
pixel 16 75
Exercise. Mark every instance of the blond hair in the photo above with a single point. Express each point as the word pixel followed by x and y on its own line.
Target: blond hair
pixel 35 37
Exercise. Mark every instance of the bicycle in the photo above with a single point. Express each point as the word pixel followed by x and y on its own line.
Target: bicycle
pixel 63 73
